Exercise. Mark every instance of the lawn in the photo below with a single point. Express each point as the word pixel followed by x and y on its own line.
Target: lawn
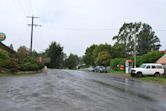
pixel 160 80
pixel 119 73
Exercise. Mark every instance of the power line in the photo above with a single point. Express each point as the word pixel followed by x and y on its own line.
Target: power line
pixel 90 29
pixel 21 7
pixel 32 25
pixel 18 8
pixel 30 5
pixel 80 29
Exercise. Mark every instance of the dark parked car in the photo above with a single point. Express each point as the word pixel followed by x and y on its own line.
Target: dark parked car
pixel 100 69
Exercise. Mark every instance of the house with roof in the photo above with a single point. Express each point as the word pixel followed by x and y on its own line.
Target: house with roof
pixel 162 60
pixel 11 52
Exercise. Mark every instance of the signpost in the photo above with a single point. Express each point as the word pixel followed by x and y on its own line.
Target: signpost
pixel 128 65
pixel 2 37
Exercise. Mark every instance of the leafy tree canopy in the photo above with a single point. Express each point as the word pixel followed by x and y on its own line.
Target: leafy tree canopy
pixel 22 52
pixel 139 34
pixel 103 58
pixel 95 53
pixel 72 61
pixel 55 53
pixel 4 58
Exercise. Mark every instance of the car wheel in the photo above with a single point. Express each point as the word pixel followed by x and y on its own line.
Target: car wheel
pixel 132 75
pixel 157 74
pixel 139 74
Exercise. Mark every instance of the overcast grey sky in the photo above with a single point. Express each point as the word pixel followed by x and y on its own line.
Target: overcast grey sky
pixel 77 24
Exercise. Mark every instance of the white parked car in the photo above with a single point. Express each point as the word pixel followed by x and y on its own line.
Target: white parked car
pixel 91 69
pixel 147 69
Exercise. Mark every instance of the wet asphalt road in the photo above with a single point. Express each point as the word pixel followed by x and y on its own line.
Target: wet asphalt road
pixel 66 90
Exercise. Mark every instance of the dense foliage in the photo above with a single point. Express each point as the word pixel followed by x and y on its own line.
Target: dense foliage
pixel 30 64
pixel 88 57
pixel 150 57
pixel 103 58
pixel 115 63
pixel 55 53
pixel 139 34
pixel 72 61
pixel 98 55
pixel 4 58
pixel 22 53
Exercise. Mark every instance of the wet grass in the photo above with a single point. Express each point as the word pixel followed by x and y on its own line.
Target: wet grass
pixel 119 73
pixel 160 80
pixel 152 79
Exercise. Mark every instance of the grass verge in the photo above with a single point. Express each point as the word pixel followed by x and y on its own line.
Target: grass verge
pixel 119 73
pixel 160 80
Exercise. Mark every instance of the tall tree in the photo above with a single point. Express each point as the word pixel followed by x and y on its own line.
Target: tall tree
pixel 103 58
pixel 88 57
pixel 118 51
pixel 11 46
pixel 72 61
pixel 102 47
pixel 92 53
pixel 22 52
pixel 55 53
pixel 139 34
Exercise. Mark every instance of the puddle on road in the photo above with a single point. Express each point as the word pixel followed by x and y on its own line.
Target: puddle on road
pixel 145 97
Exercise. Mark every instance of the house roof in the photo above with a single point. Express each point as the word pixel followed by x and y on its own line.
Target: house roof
pixel 162 60
pixel 6 48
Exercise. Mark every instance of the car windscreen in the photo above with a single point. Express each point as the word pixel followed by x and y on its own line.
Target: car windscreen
pixel 142 66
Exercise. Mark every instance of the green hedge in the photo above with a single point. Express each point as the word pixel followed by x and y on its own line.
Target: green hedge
pixel 150 57
pixel 4 58
pixel 117 61
pixel 30 64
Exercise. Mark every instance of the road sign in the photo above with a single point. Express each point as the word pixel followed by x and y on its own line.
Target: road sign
pixel 2 36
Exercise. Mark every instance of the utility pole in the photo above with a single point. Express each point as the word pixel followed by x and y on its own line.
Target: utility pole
pixel 32 25
pixel 135 52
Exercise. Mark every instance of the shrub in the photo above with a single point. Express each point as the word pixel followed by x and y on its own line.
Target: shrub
pixel 13 66
pixel 4 58
pixel 117 61
pixel 30 64
pixel 150 57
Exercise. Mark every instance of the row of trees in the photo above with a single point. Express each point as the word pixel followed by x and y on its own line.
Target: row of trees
pixel 21 61
pixel 139 35
pixel 53 57
pixel 150 57
pixel 98 55
pixel 58 59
